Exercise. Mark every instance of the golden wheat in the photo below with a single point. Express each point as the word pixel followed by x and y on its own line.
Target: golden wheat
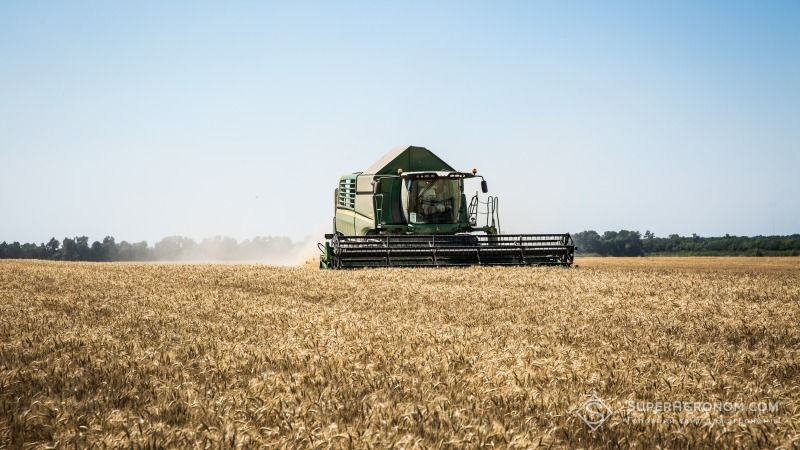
pixel 240 356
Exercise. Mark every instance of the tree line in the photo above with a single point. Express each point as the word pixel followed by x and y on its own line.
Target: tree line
pixel 633 243
pixel 179 248
pixel 172 248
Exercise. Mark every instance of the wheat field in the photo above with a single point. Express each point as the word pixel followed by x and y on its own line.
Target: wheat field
pixel 242 356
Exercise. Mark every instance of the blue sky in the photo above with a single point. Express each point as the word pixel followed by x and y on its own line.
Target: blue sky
pixel 146 119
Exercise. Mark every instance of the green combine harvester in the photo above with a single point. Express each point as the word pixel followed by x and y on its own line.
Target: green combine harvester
pixel 409 209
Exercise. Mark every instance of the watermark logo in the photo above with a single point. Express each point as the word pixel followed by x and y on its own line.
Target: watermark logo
pixel 594 412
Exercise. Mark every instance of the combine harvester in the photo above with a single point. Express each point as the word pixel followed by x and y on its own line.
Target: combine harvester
pixel 409 209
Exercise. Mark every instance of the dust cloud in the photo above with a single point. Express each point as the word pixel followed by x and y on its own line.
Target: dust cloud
pixel 276 251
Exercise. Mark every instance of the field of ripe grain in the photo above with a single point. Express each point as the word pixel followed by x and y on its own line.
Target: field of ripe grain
pixel 248 355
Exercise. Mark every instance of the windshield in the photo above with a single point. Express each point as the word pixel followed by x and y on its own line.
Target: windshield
pixel 436 200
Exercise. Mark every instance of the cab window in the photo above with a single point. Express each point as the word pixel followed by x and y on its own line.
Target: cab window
pixel 435 200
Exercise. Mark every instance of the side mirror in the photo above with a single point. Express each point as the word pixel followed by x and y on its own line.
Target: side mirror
pixel 376 187
pixel 484 186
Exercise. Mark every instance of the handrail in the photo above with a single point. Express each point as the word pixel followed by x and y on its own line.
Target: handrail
pixel 490 210
pixel 378 209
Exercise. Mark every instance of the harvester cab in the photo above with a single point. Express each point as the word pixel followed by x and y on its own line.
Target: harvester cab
pixel 436 201
pixel 410 209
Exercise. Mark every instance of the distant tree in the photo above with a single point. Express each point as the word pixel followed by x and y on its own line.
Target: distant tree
pixel 631 243
pixel 588 242
pixel 108 249
pixel 13 250
pixel 140 251
pixel 124 251
pixel 173 248
pixel 69 251
pixel 51 249
pixel 96 251
pixel 30 250
pixel 648 244
pixel 219 248
pixel 82 247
